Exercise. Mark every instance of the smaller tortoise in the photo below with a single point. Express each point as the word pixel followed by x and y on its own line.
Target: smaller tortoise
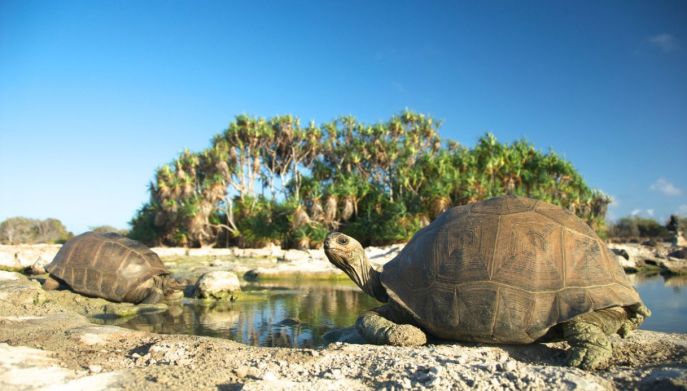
pixel 506 270
pixel 112 267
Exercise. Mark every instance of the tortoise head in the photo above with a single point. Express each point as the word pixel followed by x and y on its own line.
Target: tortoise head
pixel 343 251
pixel 348 255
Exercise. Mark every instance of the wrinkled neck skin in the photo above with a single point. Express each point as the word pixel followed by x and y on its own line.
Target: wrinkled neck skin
pixel 363 274
pixel 166 284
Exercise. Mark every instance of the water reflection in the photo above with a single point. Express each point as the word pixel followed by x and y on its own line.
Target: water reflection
pixel 289 316
pixel 667 299
pixel 297 314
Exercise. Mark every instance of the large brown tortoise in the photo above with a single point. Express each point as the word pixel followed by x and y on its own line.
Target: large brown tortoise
pixel 506 270
pixel 112 267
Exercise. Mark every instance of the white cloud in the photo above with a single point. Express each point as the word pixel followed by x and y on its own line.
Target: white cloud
pixel 665 42
pixel 643 213
pixel 682 210
pixel 664 187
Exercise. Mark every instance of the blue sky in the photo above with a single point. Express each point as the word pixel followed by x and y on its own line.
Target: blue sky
pixel 95 95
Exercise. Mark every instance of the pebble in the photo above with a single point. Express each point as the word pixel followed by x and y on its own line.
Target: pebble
pixel 269 376
pixel 334 373
pixel 95 368
pixel 241 372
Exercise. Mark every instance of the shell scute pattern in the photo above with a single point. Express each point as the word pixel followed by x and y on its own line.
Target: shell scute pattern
pixel 105 265
pixel 506 269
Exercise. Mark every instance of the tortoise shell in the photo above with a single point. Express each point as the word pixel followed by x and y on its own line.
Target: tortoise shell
pixel 505 270
pixel 105 265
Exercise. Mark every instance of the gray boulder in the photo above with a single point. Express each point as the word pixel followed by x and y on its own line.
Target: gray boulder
pixel 217 285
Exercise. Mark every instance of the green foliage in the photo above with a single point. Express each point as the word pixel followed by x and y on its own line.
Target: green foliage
pixel 22 230
pixel 143 227
pixel 275 181
pixel 261 222
pixel 108 228
pixel 637 227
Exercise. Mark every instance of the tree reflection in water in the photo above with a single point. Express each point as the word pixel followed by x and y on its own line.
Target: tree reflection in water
pixel 294 314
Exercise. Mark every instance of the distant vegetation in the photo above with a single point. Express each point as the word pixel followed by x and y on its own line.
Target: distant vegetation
pixel 108 228
pixel 635 227
pixel 277 181
pixel 22 230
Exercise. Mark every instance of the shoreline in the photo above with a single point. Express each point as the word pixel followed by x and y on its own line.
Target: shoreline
pixel 275 263
pixel 46 341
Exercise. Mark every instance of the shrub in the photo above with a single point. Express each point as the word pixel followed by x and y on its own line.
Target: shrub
pixel 637 227
pixel 108 228
pixel 22 230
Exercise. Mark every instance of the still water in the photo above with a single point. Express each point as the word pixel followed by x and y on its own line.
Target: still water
pixel 298 314
pixel 292 314
pixel 667 300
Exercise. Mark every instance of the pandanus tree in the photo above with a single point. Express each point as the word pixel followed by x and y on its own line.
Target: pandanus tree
pixel 273 180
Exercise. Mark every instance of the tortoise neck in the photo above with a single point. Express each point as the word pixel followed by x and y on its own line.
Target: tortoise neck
pixel 164 283
pixel 368 278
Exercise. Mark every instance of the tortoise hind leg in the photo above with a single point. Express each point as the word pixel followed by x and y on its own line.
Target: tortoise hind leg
pixel 376 328
pixel 51 284
pixel 587 335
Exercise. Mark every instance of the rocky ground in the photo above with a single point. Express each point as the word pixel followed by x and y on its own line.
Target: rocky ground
pixel 274 262
pixel 47 342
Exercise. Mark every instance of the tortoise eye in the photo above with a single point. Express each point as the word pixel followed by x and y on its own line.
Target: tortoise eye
pixel 342 240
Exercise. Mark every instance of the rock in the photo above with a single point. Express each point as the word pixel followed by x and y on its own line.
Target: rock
pixel 20 291
pixel 35 269
pixel 680 253
pixel 251 275
pixel 218 285
pixel 95 368
pixel 636 255
pixel 11 276
pixel 269 376
pixel 219 320
pixel 164 252
pixel 211 252
pixel 24 368
pixel 378 256
pixel 665 379
pixel 317 255
pixel 622 252
pixel 295 256
pixel 101 335
pixel 289 322
pixel 28 368
pixel 628 266
pixel 345 335
pixel 673 266
pixel 8 259
pixel 128 309
pixel 271 251
pixel 42 254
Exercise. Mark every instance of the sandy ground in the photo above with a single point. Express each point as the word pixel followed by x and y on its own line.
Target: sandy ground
pixel 47 342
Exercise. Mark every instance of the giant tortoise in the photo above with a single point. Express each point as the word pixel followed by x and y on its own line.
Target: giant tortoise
pixel 112 267
pixel 506 270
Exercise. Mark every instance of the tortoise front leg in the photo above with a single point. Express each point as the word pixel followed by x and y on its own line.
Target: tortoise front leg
pixel 154 296
pixel 587 335
pixel 376 328
pixel 589 346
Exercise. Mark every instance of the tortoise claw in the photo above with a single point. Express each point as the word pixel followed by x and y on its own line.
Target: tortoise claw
pixel 406 335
